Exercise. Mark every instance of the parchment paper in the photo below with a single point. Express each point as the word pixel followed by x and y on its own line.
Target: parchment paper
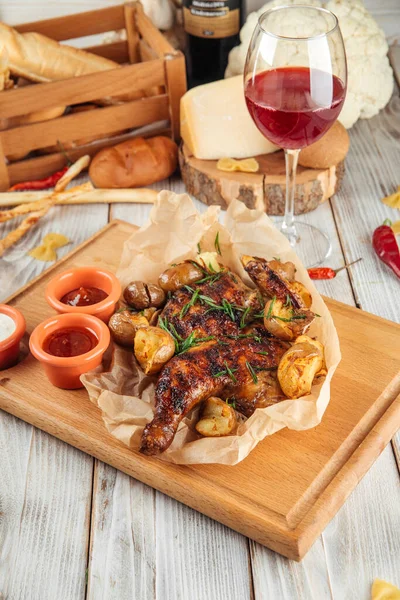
pixel 126 396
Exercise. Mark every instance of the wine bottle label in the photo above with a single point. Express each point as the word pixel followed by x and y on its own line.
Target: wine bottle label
pixel 211 18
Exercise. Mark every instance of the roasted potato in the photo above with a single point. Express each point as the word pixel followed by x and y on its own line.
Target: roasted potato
pixel 285 322
pixel 141 295
pixel 217 418
pixel 151 314
pixel 299 366
pixel 209 260
pixel 153 348
pixel 124 325
pixel 184 273
pixel 301 292
pixel 287 270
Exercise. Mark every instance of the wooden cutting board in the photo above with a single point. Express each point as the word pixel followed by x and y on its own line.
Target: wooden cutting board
pixel 265 189
pixel 287 490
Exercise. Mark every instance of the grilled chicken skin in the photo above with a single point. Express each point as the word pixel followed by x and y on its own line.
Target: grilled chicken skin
pixel 241 358
pixel 270 281
pixel 238 368
pixel 201 317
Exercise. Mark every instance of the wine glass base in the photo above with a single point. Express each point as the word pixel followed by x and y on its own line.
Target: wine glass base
pixel 311 245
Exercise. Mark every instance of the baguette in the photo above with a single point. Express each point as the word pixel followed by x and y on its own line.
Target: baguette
pixel 134 163
pixel 41 59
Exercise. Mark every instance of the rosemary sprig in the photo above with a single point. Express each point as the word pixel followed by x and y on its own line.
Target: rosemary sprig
pixel 317 315
pixel 288 301
pixel 231 402
pixel 198 248
pixel 189 304
pixel 259 315
pixel 242 336
pixel 292 318
pixel 271 306
pixel 262 353
pixel 226 371
pixel 198 265
pixel 244 317
pixel 182 344
pixel 216 244
pixel 276 258
pixel 212 278
pixel 251 371
pixel 228 309
pixel 230 372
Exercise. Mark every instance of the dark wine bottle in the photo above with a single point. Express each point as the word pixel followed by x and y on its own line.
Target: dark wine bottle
pixel 212 30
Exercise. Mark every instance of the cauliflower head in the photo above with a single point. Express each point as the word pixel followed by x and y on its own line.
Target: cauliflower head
pixel 370 77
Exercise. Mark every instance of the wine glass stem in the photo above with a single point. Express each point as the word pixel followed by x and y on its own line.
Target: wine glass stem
pixel 288 227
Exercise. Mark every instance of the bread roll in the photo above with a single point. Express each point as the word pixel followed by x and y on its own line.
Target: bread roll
pixel 41 59
pixel 330 150
pixel 135 163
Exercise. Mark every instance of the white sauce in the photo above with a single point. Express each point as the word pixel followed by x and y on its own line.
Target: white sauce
pixel 7 326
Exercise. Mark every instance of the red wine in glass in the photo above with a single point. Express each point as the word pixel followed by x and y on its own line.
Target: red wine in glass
pixel 294 106
pixel 295 80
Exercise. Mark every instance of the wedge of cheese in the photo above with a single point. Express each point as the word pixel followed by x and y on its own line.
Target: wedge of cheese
pixel 215 122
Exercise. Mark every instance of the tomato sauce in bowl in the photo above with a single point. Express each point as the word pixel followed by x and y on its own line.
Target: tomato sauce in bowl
pixel 70 341
pixel 84 296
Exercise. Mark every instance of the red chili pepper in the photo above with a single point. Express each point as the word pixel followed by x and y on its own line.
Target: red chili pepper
pixel 39 184
pixel 327 272
pixel 385 245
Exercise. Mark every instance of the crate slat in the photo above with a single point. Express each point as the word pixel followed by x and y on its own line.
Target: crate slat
pixel 43 166
pixel 132 32
pixel 117 51
pixel 20 140
pixel 144 83
pixel 116 82
pixel 78 25
pixel 153 36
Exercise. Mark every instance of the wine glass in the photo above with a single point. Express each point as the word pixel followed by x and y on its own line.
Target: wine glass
pixel 295 81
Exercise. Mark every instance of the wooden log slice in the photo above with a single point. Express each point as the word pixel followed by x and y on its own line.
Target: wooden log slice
pixel 264 190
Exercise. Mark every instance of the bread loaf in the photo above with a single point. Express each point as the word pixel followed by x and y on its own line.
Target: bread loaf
pixel 135 163
pixel 41 59
pixel 328 151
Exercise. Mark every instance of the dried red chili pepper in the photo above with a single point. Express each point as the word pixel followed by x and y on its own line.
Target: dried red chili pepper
pixel 39 184
pixel 327 272
pixel 385 246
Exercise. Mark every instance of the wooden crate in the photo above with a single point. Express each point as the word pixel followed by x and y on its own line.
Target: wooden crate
pixel 152 65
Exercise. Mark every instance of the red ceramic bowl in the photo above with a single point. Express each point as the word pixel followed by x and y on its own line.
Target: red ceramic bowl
pixel 9 347
pixel 65 372
pixel 72 279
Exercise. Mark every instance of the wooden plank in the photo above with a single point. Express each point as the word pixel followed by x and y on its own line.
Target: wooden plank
pixel 42 166
pixel 151 35
pixel 117 51
pixel 45 510
pixel 76 126
pixel 309 493
pixel 134 549
pixel 131 32
pixel 46 485
pixel 78 25
pixel 362 542
pixel 120 81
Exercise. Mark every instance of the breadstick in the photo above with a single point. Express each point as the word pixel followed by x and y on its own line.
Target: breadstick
pixel 22 229
pixel 74 170
pixel 90 196
pixel 22 209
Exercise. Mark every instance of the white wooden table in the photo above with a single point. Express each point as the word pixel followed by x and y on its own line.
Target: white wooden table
pixel 72 527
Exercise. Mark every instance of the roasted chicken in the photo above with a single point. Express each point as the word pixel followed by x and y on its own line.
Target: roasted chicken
pixel 222 346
